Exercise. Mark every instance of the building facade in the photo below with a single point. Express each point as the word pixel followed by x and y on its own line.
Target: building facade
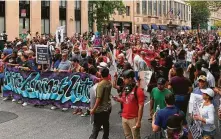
pixel 143 15
pixel 43 16
pixel 214 20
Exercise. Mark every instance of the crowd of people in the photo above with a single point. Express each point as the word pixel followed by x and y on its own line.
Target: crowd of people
pixel 185 69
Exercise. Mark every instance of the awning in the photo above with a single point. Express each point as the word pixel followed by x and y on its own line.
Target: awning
pixel 145 27
pixel 178 27
pixel 154 26
pixel 188 28
pixel 162 27
pixel 184 27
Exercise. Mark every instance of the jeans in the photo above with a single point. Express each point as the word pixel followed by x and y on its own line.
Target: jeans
pixel 210 134
pixel 101 119
pixel 181 102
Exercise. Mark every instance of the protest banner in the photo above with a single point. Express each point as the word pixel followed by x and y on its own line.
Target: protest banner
pixel 42 55
pixel 144 38
pixel 60 34
pixel 48 87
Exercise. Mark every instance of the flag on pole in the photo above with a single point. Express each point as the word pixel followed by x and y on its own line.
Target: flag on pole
pixel 178 14
pixel 170 12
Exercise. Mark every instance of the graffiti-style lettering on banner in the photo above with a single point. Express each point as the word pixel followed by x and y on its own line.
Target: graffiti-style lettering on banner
pixel 71 88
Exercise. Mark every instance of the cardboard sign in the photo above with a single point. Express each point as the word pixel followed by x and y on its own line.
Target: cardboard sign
pixel 160 37
pixel 42 56
pixel 145 38
pixel 60 34
pixel 211 38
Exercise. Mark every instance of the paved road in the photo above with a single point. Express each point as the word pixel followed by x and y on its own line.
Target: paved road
pixel 43 123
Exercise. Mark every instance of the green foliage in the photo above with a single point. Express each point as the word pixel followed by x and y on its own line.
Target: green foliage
pixel 214 5
pixel 199 13
pixel 102 10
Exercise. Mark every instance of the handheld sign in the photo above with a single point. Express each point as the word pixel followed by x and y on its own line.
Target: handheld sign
pixel 42 56
pixel 211 38
pixel 145 38
pixel 160 37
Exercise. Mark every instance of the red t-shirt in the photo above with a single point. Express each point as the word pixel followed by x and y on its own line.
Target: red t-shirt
pixel 130 104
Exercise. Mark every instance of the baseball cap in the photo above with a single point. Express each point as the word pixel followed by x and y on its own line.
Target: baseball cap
pixel 102 65
pixel 202 77
pixel 161 81
pixel 129 73
pixel 208 91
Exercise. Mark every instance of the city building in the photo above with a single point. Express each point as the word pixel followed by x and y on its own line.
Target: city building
pixel 43 16
pixel 143 15
pixel 214 20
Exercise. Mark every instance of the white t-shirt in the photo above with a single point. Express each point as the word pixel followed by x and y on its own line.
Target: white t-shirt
pixel 136 62
pixel 208 113
pixel 189 55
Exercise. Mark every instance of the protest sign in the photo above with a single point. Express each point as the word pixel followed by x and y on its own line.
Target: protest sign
pixel 60 34
pixel 160 37
pixel 195 126
pixel 145 77
pixel 42 56
pixel 70 89
pixel 211 38
pixel 145 38
pixel 123 37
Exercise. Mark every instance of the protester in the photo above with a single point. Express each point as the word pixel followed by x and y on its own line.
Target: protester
pixel 181 87
pixel 207 113
pixel 133 103
pixel 157 98
pixel 102 107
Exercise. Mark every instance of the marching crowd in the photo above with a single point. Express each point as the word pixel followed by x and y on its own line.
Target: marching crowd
pixel 185 69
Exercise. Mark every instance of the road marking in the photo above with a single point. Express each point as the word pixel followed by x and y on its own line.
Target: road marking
pixel 146 103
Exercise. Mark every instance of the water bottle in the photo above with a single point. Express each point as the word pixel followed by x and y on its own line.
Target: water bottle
pixel 158 108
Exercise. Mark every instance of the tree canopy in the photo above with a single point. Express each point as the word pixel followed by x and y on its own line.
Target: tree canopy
pixel 102 11
pixel 199 13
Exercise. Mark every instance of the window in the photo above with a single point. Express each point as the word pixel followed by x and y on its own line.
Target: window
pixel 164 8
pixel 150 7
pixel 78 26
pixel 144 7
pixel 155 8
pixel 63 3
pixel 45 17
pixel 45 26
pixel 78 5
pixel 2 24
pixel 127 10
pixel 138 8
pixel 24 15
pixel 159 8
pixel 2 16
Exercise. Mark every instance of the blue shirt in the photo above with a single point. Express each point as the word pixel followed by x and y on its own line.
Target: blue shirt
pixel 8 51
pixel 64 65
pixel 164 114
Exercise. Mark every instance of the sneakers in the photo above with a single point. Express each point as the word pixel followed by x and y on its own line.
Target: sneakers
pixel 64 109
pixel 6 98
pixel 20 102
pixel 85 114
pixel 53 107
pixel 25 104
pixel 13 100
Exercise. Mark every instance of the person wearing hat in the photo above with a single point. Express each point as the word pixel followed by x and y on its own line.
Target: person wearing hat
pixel 207 113
pixel 65 65
pixel 133 103
pixel 157 96
pixel 196 95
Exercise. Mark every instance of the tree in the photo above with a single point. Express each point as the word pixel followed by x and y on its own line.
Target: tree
pixel 102 11
pixel 199 14
pixel 214 5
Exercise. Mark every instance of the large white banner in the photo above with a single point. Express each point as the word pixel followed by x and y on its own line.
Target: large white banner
pixel 60 34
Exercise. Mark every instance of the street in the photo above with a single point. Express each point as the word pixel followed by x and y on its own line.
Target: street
pixel 43 123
